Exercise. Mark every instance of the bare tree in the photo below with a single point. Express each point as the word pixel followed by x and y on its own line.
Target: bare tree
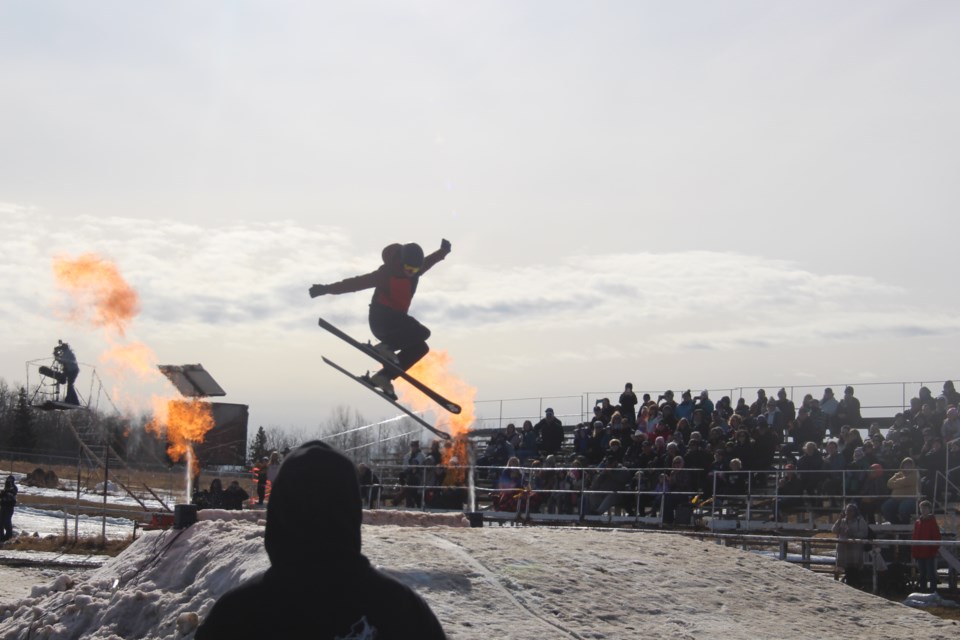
pixel 348 431
pixel 280 440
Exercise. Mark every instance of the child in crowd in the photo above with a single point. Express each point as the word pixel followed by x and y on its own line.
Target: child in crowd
pixel 926 528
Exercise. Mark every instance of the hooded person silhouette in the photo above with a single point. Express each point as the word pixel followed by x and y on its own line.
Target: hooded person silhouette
pixel 319 584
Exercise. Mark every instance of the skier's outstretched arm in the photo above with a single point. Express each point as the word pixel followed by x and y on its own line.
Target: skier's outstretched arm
pixel 437 255
pixel 356 283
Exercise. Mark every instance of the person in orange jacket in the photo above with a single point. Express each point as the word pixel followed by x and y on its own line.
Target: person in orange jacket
pixel 926 528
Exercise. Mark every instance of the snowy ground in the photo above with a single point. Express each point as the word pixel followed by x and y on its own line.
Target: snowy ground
pixel 30 519
pixel 17 582
pixel 115 496
pixel 510 582
pixel 44 522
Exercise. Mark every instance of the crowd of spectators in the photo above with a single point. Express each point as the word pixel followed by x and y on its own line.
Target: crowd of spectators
pixel 434 479
pixel 216 497
pixel 654 456
pixel 671 450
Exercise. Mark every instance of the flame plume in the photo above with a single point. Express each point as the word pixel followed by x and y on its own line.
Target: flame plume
pixel 434 371
pixel 186 422
pixel 100 297
pixel 98 289
pixel 135 356
pixel 103 299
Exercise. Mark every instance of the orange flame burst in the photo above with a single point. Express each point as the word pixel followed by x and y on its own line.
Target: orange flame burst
pixel 186 423
pixel 135 356
pixel 96 285
pixel 102 298
pixel 434 371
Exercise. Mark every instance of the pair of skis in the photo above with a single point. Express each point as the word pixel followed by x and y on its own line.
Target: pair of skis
pixel 391 366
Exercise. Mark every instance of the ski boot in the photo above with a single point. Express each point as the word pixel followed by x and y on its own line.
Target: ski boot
pixel 386 352
pixel 382 382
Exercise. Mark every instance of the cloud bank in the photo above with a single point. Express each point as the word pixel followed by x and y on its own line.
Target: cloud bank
pixel 193 278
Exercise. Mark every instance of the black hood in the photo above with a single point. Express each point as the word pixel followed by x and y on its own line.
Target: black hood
pixel 315 510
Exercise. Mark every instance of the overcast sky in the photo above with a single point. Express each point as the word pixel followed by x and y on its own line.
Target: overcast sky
pixel 690 194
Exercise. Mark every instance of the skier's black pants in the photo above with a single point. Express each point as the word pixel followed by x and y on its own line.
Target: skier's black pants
pixel 400 331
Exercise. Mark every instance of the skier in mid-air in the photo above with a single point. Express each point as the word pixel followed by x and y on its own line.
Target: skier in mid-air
pixel 403 340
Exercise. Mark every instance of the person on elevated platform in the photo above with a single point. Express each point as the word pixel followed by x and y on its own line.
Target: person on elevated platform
pixel 67 360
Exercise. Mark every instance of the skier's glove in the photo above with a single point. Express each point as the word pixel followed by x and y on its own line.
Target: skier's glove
pixel 318 290
pixel 445 245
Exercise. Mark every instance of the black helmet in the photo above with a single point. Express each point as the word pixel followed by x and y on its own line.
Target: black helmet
pixel 412 255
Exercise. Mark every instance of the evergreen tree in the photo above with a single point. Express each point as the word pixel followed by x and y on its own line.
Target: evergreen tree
pixel 23 436
pixel 258 446
pixel 8 400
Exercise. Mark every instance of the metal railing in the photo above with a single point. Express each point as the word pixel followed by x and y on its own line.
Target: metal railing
pixel 526 496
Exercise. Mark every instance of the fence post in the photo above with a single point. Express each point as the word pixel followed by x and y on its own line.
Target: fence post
pixel 583 480
pixel 776 499
pixel 946 488
pixel 423 489
pixel 106 482
pixel 527 485
pixel 713 507
pixel 843 489
pixel 663 502
pixel 76 528
pixel 639 489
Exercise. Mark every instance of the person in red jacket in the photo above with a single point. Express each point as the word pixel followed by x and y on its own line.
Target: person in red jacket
pixel 926 528
pixel 402 339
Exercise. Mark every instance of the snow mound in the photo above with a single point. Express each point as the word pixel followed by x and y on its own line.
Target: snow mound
pixel 145 591
pixel 414 518
pixel 929 600
pixel 516 582
pixel 370 516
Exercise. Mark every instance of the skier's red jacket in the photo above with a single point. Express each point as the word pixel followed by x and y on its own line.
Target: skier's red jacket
pixel 391 287
pixel 926 528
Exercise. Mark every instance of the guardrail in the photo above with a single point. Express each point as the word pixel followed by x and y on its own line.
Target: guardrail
pixel 416 485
